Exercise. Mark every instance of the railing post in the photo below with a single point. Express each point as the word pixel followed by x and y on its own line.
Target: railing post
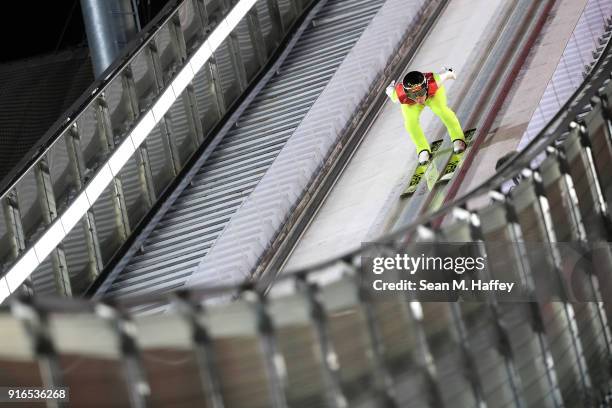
pixel 383 382
pixel 147 184
pixel 190 102
pixel 164 123
pixel 216 88
pixel 15 231
pixel 203 349
pixel 237 62
pixel 49 212
pixel 257 40
pixel 335 395
pixel 469 360
pixel 210 68
pixel 35 322
pixel 108 143
pixel 77 166
pixel 265 331
pixel 136 383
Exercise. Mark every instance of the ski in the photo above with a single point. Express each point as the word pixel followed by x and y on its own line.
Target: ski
pixel 420 170
pixel 456 159
pixel 430 173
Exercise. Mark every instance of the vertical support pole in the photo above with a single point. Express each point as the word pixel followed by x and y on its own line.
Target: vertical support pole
pixel 237 61
pixel 203 349
pixel 210 68
pixel 469 360
pixel 257 40
pixel 177 38
pixel 13 222
pixel 88 222
pixel 335 395
pixel 147 184
pixel 596 177
pixel 137 385
pixel 35 322
pixel 422 354
pixel 12 215
pixel 49 212
pixel 604 109
pixel 383 383
pixel 190 102
pixel 216 88
pixel 268 342
pixel 164 123
pixel 427 365
pixel 105 130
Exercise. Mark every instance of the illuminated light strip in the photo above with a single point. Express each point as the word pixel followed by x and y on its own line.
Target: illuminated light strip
pixel 238 12
pixel 75 211
pixel 183 79
pixel 50 239
pixel 121 156
pixel 4 289
pixel 215 39
pixel 164 103
pixel 97 185
pixel 200 57
pixel 140 132
pixel 21 270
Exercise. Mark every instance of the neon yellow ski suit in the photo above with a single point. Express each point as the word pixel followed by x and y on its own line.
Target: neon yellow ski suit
pixel 437 104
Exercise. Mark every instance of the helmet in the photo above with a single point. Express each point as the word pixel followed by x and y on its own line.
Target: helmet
pixel 415 84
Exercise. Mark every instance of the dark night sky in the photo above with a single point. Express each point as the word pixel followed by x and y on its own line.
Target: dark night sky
pixel 32 28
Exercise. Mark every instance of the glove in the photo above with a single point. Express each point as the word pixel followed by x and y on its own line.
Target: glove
pixel 447 73
pixel 390 89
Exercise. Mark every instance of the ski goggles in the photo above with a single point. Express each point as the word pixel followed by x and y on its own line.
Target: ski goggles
pixel 417 91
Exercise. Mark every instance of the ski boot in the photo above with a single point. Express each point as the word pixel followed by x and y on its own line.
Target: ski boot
pixel 459 146
pixel 424 157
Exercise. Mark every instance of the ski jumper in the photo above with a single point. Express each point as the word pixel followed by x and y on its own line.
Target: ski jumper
pixel 436 101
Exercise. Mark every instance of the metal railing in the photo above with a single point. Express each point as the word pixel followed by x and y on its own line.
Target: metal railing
pixel 77 199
